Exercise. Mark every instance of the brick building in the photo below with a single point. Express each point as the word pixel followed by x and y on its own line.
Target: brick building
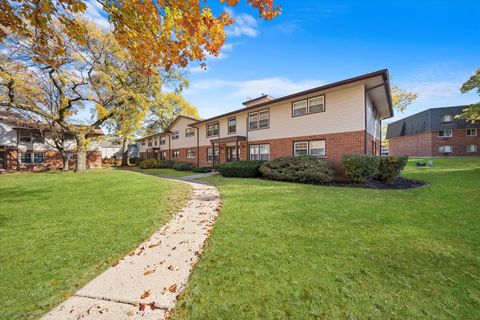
pixel 434 133
pixel 327 122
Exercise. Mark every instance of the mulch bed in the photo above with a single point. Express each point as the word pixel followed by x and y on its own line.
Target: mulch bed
pixel 398 183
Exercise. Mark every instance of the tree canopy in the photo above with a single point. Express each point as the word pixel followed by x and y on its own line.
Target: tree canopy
pixel 472 113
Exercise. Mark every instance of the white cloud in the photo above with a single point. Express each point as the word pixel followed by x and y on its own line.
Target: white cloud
pixel 244 25
pixel 227 47
pixel 275 86
pixel 96 14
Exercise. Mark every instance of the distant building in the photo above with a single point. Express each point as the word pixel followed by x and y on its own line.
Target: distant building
pixel 434 133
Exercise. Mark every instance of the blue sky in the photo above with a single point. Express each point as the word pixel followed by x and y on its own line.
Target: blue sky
pixel 430 47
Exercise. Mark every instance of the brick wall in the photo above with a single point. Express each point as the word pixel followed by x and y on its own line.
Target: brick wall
pixel 426 144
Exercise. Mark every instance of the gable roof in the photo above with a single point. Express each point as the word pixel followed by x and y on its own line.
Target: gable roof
pixel 167 130
pixel 429 120
pixel 381 89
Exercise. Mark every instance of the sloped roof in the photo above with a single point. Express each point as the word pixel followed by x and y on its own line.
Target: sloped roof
pixel 429 120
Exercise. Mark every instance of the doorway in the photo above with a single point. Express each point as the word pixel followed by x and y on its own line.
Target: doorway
pixel 232 155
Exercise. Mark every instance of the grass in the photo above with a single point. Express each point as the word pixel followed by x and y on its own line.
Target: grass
pixel 60 230
pixel 292 251
pixel 168 172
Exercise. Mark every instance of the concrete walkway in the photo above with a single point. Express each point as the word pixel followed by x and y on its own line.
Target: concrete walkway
pixel 146 283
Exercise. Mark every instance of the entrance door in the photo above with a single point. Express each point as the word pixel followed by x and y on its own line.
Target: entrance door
pixel 2 159
pixel 231 154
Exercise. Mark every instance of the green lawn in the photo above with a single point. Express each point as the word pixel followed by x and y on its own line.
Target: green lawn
pixel 168 172
pixel 59 230
pixel 292 251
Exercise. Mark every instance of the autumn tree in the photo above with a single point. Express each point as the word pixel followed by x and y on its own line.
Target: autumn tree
pixel 156 32
pixel 401 98
pixel 472 113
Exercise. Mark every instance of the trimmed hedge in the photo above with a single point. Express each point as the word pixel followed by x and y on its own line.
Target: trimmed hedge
pixel 183 166
pixel 359 168
pixel 165 164
pixel 239 169
pixel 134 161
pixel 148 164
pixel 201 169
pixel 390 168
pixel 306 169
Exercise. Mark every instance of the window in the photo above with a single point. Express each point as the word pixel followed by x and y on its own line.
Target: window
pixel 143 142
pixel 313 148
pixel 189 132
pixel 155 141
pixel 32 157
pixel 312 105
pixel 210 154
pixel 472 148
pixel 162 141
pixel 25 136
pixel 37 137
pixel 299 108
pixel 212 129
pixel 300 148
pixel 175 135
pixel 317 148
pixel 175 154
pixel 316 104
pixel 471 132
pixel 258 120
pixel 163 155
pixel 232 125
pixel 38 157
pixel 260 152
pixel 445 133
pixel 447 118
pixel 445 149
pixel 150 141
pixel 191 153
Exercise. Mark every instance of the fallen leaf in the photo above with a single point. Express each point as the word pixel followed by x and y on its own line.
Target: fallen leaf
pixel 141 307
pixel 146 273
pixel 152 305
pixel 154 245
pixel 173 288
pixel 130 313
pixel 115 263
pixel 146 294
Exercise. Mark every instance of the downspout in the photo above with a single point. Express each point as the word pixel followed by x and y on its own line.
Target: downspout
pixel 198 146
pixel 365 111
pixel 169 151
pixel 248 148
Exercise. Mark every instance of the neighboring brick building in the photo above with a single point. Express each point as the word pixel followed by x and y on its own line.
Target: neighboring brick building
pixel 434 133
pixel 23 149
pixel 328 122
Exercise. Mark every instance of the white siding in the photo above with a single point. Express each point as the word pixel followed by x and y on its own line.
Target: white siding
pixel 373 121
pixel 183 142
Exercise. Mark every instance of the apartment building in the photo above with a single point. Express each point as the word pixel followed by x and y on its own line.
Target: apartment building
pixel 327 122
pixel 435 132
pixel 22 147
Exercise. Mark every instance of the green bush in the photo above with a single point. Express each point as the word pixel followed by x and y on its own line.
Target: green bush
pixel 182 166
pixel 239 169
pixel 306 169
pixel 165 164
pixel 359 168
pixel 134 161
pixel 147 163
pixel 202 169
pixel 390 168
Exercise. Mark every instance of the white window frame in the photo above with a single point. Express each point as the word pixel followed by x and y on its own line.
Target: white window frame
pixel 175 154
pixel 445 136
pixel 310 105
pixel 155 142
pixel 474 149
pixel 175 135
pixel 189 132
pixel 150 142
pixel 306 106
pixel 255 120
pixel 470 130
pixel 212 129
pixel 191 153
pixel 163 140
pixel 230 131
pixel 299 108
pixel 163 155
pixel 25 137
pixel 32 156
pixel 447 115
pixel 442 149
pixel 35 154
pixel 259 152
pixel 309 148
pixel 210 155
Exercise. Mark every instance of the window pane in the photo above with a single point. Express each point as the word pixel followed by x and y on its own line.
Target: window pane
pixel 316 104
pixel 264 152
pixel 299 108
pixel 317 148
pixel 263 116
pixel 38 157
pixel 254 152
pixel 300 148
pixel 26 157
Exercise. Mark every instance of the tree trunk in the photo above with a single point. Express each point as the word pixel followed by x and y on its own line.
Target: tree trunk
pixel 124 153
pixel 65 161
pixel 81 165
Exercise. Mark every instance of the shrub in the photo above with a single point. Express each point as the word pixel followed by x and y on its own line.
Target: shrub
pixel 148 164
pixel 390 168
pixel 239 169
pixel 134 161
pixel 202 169
pixel 182 166
pixel 306 169
pixel 358 168
pixel 165 164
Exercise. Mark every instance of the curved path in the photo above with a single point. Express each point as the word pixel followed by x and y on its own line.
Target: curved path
pixel 146 283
